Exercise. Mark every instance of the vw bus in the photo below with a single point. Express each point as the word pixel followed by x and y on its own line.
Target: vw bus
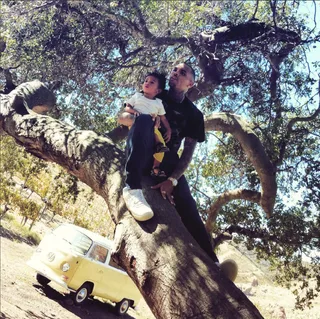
pixel 80 261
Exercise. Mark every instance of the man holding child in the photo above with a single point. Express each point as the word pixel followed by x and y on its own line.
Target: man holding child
pixel 186 122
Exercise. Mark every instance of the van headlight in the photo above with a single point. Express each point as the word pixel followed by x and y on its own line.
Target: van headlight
pixel 65 267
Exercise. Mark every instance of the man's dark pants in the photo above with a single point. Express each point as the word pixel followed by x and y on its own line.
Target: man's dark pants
pixel 140 149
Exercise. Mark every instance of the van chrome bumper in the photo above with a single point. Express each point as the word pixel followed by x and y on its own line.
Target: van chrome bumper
pixel 47 272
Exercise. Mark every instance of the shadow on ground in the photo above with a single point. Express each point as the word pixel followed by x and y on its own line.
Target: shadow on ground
pixel 92 308
pixel 7 233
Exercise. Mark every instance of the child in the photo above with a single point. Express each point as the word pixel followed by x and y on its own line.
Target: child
pixel 147 103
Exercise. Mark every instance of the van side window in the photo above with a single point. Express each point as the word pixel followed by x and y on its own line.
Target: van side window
pixel 99 253
pixel 114 265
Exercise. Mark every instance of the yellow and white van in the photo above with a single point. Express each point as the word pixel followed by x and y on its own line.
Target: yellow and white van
pixel 80 261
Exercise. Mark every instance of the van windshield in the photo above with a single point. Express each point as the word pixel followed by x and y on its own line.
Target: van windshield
pixel 79 241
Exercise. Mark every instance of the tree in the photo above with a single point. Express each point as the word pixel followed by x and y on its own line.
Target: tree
pixel 12 161
pixel 253 62
pixel 6 195
pixel 63 191
pixel 31 171
pixel 28 209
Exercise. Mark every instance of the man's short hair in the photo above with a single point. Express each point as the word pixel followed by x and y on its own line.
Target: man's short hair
pixel 161 77
pixel 192 70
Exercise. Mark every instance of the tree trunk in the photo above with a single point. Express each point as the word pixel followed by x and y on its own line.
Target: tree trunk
pixel 176 278
pixel 5 209
pixel 42 212
pixel 53 216
pixel 30 194
pixel 32 223
pixel 24 220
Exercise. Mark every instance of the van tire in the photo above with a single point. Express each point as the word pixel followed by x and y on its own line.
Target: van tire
pixel 122 306
pixel 42 280
pixel 82 294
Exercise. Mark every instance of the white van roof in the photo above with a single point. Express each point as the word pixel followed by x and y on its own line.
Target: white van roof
pixel 94 236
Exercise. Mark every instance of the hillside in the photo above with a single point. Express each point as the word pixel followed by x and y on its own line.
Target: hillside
pixel 256 281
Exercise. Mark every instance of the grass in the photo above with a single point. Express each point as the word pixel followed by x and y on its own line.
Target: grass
pixel 10 223
pixel 8 217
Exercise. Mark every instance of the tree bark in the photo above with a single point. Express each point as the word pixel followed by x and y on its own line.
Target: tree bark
pixel 176 278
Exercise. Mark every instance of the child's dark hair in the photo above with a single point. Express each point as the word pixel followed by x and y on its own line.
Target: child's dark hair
pixel 161 78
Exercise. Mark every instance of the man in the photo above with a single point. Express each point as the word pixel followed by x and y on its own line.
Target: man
pixel 187 123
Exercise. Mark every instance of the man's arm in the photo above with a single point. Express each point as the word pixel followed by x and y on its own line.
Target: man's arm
pixel 166 187
pixel 186 157
pixel 165 123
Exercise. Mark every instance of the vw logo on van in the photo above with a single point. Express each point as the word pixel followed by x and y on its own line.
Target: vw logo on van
pixel 51 256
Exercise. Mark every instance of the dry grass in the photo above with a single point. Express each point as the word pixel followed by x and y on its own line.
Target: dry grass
pixel 271 299
pixel 11 228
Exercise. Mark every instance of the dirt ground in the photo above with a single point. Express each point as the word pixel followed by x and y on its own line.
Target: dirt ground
pixel 23 298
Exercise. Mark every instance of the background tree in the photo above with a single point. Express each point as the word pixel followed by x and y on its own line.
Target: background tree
pixel 6 195
pixel 254 62
pixel 11 160
pixel 28 209
pixel 31 174
pixel 63 191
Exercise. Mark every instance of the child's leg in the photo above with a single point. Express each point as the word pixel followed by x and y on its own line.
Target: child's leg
pixel 159 142
pixel 156 136
pixel 156 171
pixel 158 157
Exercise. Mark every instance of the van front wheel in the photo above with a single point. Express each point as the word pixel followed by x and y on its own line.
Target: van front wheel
pixel 122 306
pixel 42 280
pixel 82 294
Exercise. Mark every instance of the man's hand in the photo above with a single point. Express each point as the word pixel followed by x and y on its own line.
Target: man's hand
pixel 126 119
pixel 167 136
pixel 166 190
pixel 156 119
pixel 136 113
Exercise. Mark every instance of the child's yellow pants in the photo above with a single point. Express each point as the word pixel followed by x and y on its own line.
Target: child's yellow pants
pixel 159 156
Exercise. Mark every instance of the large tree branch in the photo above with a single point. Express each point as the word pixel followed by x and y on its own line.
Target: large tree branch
pixel 247 31
pixel 275 59
pixel 151 37
pixel 250 143
pixel 227 197
pixel 27 97
pixel 200 90
pixel 147 34
pixel 9 81
pixel 211 65
pixel 177 279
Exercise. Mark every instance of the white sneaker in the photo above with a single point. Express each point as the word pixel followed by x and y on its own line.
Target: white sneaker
pixel 137 204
